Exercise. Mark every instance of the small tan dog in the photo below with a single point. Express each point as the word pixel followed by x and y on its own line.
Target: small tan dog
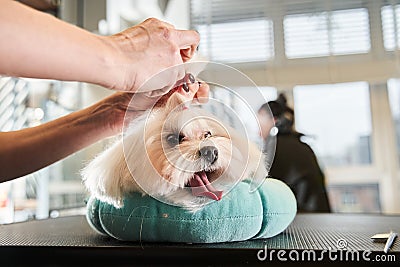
pixel 182 156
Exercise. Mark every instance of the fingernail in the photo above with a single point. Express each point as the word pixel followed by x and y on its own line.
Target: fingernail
pixel 185 87
pixel 191 78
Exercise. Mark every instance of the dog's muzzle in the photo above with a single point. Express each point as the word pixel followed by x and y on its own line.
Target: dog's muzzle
pixel 209 153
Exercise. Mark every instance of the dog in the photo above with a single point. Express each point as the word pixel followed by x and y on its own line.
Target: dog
pixel 181 155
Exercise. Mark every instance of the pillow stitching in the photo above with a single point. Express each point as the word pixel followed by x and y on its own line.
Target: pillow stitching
pixel 185 219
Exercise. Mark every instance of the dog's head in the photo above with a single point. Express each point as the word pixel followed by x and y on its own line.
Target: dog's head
pixel 188 147
pixel 182 155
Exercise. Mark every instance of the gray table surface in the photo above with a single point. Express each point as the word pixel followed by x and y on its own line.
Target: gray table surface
pixel 73 236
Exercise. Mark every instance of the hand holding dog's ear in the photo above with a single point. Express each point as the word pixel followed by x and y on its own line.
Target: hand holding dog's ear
pixel 120 106
pixel 196 91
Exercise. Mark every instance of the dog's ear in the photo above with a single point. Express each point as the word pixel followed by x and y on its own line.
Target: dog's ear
pixel 176 102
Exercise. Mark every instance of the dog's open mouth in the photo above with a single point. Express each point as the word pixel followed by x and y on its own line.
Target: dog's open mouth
pixel 201 186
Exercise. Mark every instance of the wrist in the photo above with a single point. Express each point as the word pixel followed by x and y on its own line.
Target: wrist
pixel 108 115
pixel 99 121
pixel 118 67
pixel 107 59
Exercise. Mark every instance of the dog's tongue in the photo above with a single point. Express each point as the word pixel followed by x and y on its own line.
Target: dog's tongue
pixel 201 186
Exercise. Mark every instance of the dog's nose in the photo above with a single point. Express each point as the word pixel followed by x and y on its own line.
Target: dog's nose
pixel 209 153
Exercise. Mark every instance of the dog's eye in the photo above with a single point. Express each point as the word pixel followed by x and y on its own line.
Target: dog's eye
pixel 175 139
pixel 207 134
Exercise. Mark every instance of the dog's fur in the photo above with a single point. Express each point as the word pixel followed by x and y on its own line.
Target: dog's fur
pixel 163 171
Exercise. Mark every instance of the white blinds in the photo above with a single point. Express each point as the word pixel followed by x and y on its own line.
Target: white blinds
pixel 243 31
pixel 327 33
pixel 233 31
pixel 390 26
pixel 13 98
pixel 306 35
pixel 239 41
pixel 350 31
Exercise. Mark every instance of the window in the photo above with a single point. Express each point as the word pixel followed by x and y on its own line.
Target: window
pixel 355 198
pixel 14 113
pixel 390 27
pixel 350 32
pixel 306 35
pixel 58 187
pixel 327 33
pixel 240 41
pixel 255 100
pixel 242 115
pixel 233 31
pixel 269 93
pixel 336 120
pixel 310 29
pixel 394 99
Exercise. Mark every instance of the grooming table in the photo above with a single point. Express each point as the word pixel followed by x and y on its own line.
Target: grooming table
pixel 70 241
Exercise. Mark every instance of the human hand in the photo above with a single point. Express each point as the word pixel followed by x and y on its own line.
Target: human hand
pixel 121 106
pixel 144 50
pixel 188 87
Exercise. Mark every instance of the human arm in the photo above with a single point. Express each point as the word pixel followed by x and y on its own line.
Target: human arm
pixel 28 150
pixel 43 5
pixel 37 45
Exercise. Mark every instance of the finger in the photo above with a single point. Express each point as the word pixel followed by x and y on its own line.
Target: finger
pixel 182 86
pixel 163 81
pixel 187 54
pixel 186 39
pixel 202 93
pixel 192 88
pixel 189 86
pixel 180 74
pixel 163 99
pixel 159 92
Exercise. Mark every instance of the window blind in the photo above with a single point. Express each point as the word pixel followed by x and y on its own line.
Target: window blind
pixel 233 31
pixel 390 15
pixel 13 98
pixel 306 35
pixel 244 31
pixel 337 32
pixel 250 40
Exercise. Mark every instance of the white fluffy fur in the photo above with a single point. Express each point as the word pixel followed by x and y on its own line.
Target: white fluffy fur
pixel 144 153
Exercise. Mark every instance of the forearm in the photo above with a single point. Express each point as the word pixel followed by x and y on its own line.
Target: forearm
pixel 28 150
pixel 37 45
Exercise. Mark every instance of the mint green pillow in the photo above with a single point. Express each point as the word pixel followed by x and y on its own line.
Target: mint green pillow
pixel 240 215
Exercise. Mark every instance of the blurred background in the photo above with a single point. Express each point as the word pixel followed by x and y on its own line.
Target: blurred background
pixel 337 62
